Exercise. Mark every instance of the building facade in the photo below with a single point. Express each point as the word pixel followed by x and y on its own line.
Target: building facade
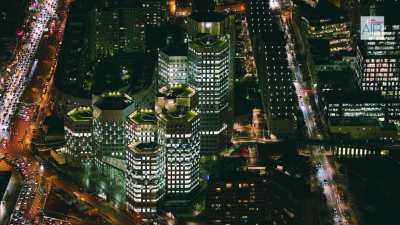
pixel 277 91
pixel 172 65
pixel 326 22
pixel 378 63
pixel 276 83
pixel 144 177
pixel 142 126
pixel 110 113
pixel 179 135
pixel 118 27
pixel 78 134
pixel 259 17
pixel 155 12
pixel 209 75
pixel 208 21
pixel 362 106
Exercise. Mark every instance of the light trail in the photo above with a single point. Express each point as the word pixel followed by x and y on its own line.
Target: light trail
pixel 24 58
pixel 325 173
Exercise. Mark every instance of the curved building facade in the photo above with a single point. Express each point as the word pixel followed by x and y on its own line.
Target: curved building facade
pixel 209 75
pixel 78 134
pixel 144 177
pixel 179 135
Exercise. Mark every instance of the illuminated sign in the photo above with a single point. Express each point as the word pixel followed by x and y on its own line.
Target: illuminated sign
pixel 372 28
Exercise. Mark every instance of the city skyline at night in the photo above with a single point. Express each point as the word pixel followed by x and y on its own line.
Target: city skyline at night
pixel 198 112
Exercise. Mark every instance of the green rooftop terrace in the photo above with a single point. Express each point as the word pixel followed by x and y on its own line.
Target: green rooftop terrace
pixel 177 90
pixel 149 149
pixel 81 114
pixel 143 117
pixel 186 115
pixel 209 41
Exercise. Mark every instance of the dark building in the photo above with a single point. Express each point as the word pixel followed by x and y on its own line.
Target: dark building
pixel 259 17
pixel 74 58
pixel 272 68
pixel 326 22
pixel 237 195
pixel 155 12
pixel 276 84
pixel 119 26
pixel 203 5
pixel 239 198
pixel 11 15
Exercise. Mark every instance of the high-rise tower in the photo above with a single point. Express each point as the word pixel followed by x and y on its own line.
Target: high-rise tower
pixel 179 136
pixel 209 75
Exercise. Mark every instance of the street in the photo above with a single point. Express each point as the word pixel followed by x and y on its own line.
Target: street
pixel 24 66
pixel 307 103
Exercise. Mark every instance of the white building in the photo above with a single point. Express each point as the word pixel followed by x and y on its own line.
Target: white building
pixel 78 134
pixel 179 136
pixel 209 75
pixel 144 177
pixel 142 126
pixel 110 113
pixel 172 65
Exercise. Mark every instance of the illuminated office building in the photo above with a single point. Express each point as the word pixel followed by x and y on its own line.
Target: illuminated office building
pixel 362 106
pixel 179 136
pixel 142 126
pixel 78 134
pixel 110 113
pixel 209 75
pixel 326 22
pixel 218 24
pixel 205 20
pixel 172 64
pixel 144 177
pixel 378 63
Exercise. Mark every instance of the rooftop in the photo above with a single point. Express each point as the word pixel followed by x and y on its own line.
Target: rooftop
pixel 115 4
pixel 144 148
pixel 344 80
pixel 210 16
pixel 176 49
pixel 81 114
pixel 113 101
pixel 324 12
pixel 388 8
pixel 128 71
pixel 179 115
pixel 176 91
pixel 143 117
pixel 276 37
pixel 208 41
